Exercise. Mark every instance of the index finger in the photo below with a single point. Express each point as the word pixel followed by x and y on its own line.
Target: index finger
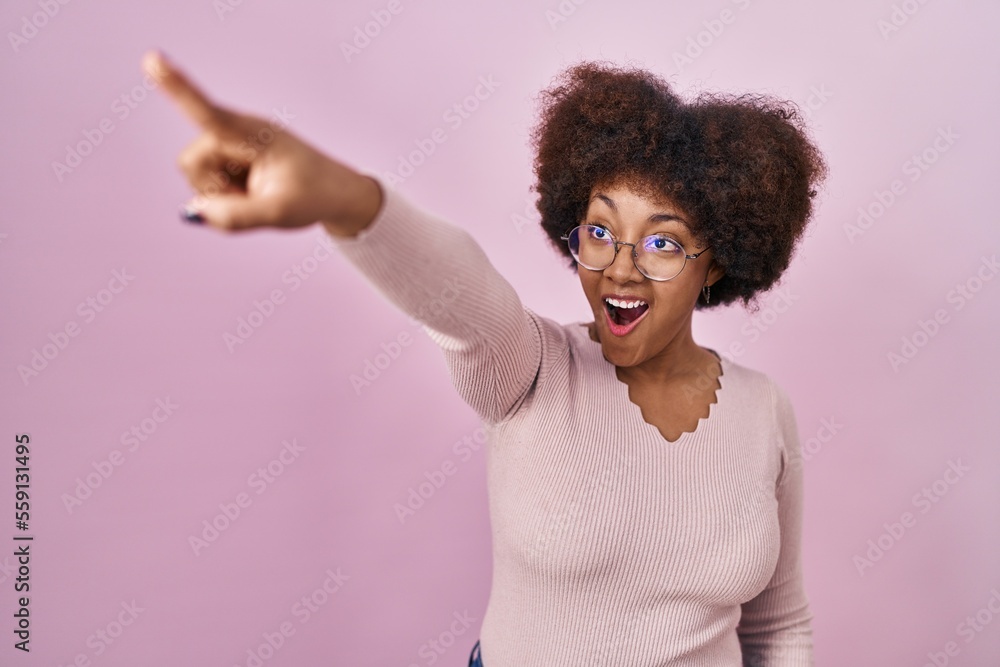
pixel 194 103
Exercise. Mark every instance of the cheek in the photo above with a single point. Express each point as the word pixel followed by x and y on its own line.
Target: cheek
pixel 675 295
pixel 589 280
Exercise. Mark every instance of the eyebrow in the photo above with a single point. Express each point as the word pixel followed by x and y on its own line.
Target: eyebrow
pixel 656 217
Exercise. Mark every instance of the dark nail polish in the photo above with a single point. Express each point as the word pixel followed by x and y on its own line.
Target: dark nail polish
pixel 191 215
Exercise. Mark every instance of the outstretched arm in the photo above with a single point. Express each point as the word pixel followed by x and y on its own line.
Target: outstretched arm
pixel 428 267
pixel 438 274
pixel 775 628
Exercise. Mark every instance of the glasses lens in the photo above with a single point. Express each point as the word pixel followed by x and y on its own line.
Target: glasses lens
pixel 592 246
pixel 660 257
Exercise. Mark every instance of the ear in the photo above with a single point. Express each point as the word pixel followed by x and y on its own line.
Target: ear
pixel 715 273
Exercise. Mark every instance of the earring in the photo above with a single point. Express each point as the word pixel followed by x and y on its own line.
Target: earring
pixel 706 291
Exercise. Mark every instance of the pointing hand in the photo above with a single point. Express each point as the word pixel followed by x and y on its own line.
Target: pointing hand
pixel 250 173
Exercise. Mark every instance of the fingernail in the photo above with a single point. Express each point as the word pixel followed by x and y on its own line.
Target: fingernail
pixel 192 215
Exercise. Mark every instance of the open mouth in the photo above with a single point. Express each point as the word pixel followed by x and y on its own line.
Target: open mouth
pixel 625 313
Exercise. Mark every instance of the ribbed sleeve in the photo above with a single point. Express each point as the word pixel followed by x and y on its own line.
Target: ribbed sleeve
pixel 438 274
pixel 775 629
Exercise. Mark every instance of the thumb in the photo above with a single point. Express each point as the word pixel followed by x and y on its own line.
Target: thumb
pixel 232 211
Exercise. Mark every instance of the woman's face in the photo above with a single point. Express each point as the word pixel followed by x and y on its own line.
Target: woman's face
pixel 629 217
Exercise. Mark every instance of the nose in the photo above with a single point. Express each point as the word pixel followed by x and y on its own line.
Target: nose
pixel 623 268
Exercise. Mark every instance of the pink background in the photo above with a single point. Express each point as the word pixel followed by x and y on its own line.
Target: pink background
pixel 875 101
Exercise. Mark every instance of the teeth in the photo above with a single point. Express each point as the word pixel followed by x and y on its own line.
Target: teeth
pixel 625 304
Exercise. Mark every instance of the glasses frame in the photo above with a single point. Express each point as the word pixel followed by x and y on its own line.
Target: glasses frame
pixel 635 253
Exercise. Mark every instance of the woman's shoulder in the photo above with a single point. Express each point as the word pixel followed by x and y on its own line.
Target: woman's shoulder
pixel 747 375
pixel 758 401
pixel 754 385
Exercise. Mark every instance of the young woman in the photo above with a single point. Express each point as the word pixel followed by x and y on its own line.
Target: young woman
pixel 645 492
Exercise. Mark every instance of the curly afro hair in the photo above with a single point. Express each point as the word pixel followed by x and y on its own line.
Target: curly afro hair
pixel 741 167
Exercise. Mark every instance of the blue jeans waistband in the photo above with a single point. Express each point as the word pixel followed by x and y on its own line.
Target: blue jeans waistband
pixel 475 660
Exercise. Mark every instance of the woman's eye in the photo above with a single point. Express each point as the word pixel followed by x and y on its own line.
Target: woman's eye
pixel 662 244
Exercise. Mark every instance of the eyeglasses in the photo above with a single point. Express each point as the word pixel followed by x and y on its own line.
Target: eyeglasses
pixel 658 257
